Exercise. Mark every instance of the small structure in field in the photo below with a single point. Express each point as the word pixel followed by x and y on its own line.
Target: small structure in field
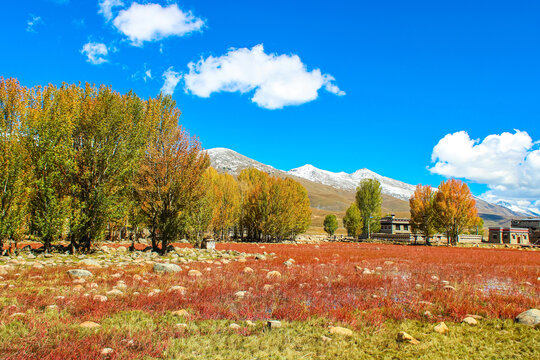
pixel 533 224
pixel 208 244
pixel 508 235
pixel 392 225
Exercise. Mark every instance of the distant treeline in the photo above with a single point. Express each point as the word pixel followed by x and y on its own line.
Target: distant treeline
pixel 82 163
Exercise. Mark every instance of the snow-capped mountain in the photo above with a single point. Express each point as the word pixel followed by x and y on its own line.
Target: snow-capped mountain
pixel 527 211
pixel 229 161
pixel 226 160
pixel 345 181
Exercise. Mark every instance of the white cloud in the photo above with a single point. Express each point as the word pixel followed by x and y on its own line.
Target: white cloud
pixel 509 164
pixel 278 80
pixel 149 22
pixel 147 75
pixel 33 22
pixel 106 6
pixel 96 53
pixel 171 78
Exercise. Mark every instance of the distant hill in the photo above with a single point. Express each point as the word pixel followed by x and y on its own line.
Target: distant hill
pixel 331 192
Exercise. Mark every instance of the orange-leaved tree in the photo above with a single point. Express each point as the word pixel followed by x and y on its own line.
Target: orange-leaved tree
pixel 170 176
pixel 423 219
pixel 455 208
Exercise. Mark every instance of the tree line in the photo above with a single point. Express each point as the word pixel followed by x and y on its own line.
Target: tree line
pixel 83 163
pixel 450 209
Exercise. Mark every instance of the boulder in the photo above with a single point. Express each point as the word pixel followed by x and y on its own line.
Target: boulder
pixel 90 262
pixel 79 273
pixel 168 268
pixel 89 325
pixel 404 337
pixel 248 270
pixel 341 331
pixel 273 275
pixel 234 326
pixel 106 351
pixel 273 324
pixel 195 273
pixel 441 328
pixel 115 292
pixel 240 294
pixel 181 312
pixel 470 320
pixel 530 317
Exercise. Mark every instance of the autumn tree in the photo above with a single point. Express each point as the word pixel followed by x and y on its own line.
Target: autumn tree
pixel 48 128
pixel 225 202
pixel 423 220
pixel 352 221
pixel 108 138
pixel 330 224
pixel 170 175
pixel 455 208
pixel 369 201
pixel 14 169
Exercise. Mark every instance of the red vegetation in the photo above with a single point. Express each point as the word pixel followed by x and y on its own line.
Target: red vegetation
pixel 325 280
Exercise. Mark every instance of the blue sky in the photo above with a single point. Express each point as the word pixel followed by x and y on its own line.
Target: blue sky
pixel 405 75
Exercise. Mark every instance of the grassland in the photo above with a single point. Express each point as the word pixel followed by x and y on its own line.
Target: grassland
pixel 374 290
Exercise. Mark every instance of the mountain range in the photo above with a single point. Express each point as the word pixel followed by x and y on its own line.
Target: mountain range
pixel 332 192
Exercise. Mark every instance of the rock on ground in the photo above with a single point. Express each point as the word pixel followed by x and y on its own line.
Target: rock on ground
pixel 470 320
pixel 194 273
pixel 341 331
pixel 273 275
pixel 169 268
pixel 441 328
pixel 404 337
pixel 79 273
pixel 89 325
pixel 530 317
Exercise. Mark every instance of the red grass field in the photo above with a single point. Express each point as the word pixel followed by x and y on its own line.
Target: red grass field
pixel 326 281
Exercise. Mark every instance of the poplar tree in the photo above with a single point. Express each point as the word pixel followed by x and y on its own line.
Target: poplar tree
pixel 352 221
pixel 369 201
pixel 423 219
pixel 330 224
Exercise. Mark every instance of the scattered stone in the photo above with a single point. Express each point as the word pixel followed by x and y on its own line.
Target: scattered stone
pixel 89 325
pixel 449 288
pixel 195 273
pixel 268 287
pixel 428 313
pixel 137 277
pixel 530 317
pixel 441 328
pixel 260 257
pixel 168 268
pixel 445 282
pixel 248 270
pixel 101 298
pixel 90 262
pixel 404 337
pixel 79 273
pixel 181 325
pixel 250 323
pixel 234 326
pixel 288 263
pixel 273 324
pixel 326 339
pixel 240 294
pixel 470 320
pixel 273 275
pixel 341 331
pixel 477 317
pixel 367 271
pixel 182 290
pixel 115 292
pixel 181 312
pixel 106 351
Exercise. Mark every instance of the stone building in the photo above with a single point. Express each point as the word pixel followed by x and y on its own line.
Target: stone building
pixel 508 235
pixel 392 225
pixel 533 224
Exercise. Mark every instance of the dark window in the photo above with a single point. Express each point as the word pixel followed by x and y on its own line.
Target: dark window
pixel 398 227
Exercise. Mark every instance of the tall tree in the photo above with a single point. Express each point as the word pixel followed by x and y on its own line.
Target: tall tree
pixel 423 219
pixel 353 220
pixel 455 208
pixel 369 201
pixel 48 129
pixel 109 139
pixel 226 202
pixel 170 176
pixel 14 168
pixel 330 224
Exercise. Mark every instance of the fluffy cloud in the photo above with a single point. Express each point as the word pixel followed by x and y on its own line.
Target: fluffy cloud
pixel 509 164
pixel 96 53
pixel 106 6
pixel 33 22
pixel 149 22
pixel 171 78
pixel 278 80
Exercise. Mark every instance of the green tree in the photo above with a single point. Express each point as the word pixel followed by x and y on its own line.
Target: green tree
pixel 48 130
pixel 369 201
pixel 353 220
pixel 330 224
pixel 14 168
